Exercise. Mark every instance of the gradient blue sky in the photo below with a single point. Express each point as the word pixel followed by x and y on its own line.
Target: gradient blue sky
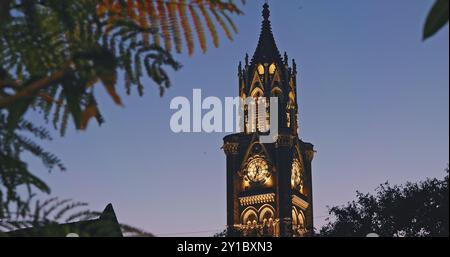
pixel 373 98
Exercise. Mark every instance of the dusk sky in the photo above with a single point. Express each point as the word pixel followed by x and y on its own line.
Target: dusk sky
pixel 373 99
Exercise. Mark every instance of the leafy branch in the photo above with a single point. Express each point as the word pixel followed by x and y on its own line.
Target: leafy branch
pixel 55 54
pixel 53 211
pixel 437 18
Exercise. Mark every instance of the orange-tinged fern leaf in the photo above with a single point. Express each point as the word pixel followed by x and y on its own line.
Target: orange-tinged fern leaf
pixel 164 25
pixel 111 89
pixel 140 6
pixel 186 26
pixel 209 23
pixel 90 112
pixel 198 28
pixel 174 25
pixel 221 23
pixel 233 26
pixel 115 11
pixel 103 8
pixel 107 3
pixel 154 21
pixel 130 8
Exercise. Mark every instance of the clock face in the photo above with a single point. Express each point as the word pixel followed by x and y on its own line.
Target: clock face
pixel 297 178
pixel 258 171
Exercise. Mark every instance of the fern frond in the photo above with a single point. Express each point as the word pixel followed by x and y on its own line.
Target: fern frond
pixel 209 23
pixel 140 6
pixel 222 23
pixel 69 207
pixel 57 112
pixel 165 30
pixel 162 15
pixel 230 21
pixel 199 29
pixel 174 25
pixel 130 9
pixel 186 26
pixel 64 122
pixel 154 20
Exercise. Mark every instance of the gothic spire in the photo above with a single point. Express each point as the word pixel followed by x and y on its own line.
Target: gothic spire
pixel 267 50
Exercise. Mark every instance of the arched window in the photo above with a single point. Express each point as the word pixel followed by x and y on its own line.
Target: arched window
pixel 249 216
pixel 276 91
pixel 297 175
pixel 261 69
pixel 272 69
pixel 301 220
pixel 290 112
pixel 298 222
pixel 267 218
pixel 266 212
pixel 257 91
pixel 294 217
pixel 257 112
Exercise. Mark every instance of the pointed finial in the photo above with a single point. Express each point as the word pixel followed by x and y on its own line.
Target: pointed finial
pixel 266 11
pixel 286 58
pixel 240 68
pixel 246 59
pixel 266 51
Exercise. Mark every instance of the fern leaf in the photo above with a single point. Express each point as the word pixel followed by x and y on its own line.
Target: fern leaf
pixel 130 9
pixel 69 207
pixel 230 21
pixel 209 24
pixel 171 6
pixel 186 26
pixel 49 104
pixel 164 25
pixel 57 112
pixel 154 21
pixel 64 122
pixel 90 112
pixel 222 24
pixel 198 28
pixel 140 6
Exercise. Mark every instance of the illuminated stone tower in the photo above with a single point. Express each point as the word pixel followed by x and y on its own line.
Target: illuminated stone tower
pixel 269 186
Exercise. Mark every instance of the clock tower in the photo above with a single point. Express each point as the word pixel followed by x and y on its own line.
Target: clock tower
pixel 269 185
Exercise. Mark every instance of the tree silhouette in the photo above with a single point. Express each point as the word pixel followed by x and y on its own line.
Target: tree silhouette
pixel 411 210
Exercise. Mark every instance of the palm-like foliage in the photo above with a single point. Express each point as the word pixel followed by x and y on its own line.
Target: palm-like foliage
pixel 172 18
pixel 16 180
pixel 55 211
pixel 40 213
pixel 54 54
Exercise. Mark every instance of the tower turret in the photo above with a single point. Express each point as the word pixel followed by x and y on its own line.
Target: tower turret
pixel 269 186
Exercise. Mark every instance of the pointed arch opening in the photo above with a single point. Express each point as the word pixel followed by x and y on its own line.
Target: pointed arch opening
pixel 298 222
pixel 298 178
pixel 276 91
pixel 266 212
pixel 272 69
pixel 257 111
pixel 261 69
pixel 249 216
